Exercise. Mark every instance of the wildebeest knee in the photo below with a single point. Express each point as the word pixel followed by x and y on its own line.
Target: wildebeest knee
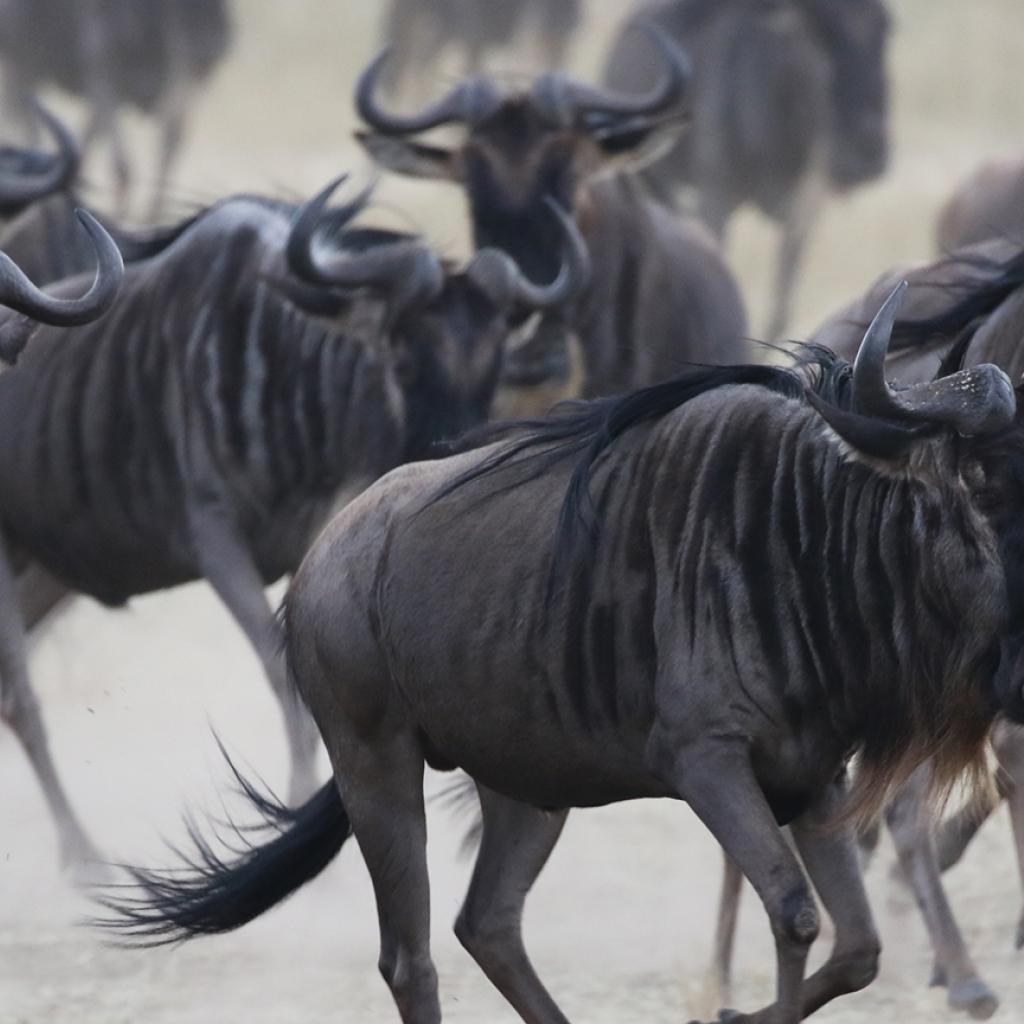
pixel 408 977
pixel 798 921
pixel 483 935
pixel 857 968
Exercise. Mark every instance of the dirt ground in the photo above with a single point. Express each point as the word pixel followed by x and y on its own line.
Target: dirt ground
pixel 620 923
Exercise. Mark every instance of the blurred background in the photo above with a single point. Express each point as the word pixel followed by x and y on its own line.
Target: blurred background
pixel 620 923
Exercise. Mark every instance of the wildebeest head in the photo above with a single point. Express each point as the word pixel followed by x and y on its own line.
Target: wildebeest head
pixel 27 306
pixel 524 146
pixel 28 175
pixel 855 33
pixel 446 329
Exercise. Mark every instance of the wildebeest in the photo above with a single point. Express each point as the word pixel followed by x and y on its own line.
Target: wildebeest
pixel 790 100
pixel 660 294
pixel 718 589
pixel 989 204
pixel 208 427
pixel 969 307
pixel 147 54
pixel 422 31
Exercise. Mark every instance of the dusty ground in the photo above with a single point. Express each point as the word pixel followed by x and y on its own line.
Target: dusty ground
pixel 619 924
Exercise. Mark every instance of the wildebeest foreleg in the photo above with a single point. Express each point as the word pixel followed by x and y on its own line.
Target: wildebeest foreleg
pixel 717 780
pixel 515 845
pixel 172 123
pixel 796 225
pixel 1008 742
pixel 911 831
pixel 832 860
pixel 19 708
pixel 225 561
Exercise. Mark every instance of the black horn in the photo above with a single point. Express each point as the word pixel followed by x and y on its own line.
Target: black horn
pixel 469 102
pixel 497 273
pixel 406 269
pixel 568 98
pixel 18 293
pixel 41 175
pixel 978 400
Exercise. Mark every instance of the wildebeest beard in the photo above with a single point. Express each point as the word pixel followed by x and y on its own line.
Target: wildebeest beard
pixel 867 608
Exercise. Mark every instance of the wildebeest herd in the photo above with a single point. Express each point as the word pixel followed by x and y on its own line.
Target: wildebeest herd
pixel 786 594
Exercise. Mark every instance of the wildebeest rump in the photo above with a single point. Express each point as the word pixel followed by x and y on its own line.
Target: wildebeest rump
pixel 148 54
pixel 789 100
pixel 208 427
pixel 620 602
pixel 989 204
pixel 660 296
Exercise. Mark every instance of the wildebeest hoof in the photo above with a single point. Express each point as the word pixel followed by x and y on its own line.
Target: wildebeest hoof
pixel 938 978
pixel 734 1016
pixel 975 997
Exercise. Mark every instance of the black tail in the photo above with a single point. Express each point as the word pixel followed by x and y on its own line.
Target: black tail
pixel 208 895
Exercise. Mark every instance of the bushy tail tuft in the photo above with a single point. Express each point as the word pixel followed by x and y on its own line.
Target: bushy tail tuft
pixel 209 894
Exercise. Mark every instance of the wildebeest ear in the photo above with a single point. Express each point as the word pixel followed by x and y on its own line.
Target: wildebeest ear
pixel 405 156
pixel 15 331
pixel 635 145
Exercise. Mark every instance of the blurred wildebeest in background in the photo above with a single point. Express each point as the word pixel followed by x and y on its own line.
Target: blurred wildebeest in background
pixel 147 54
pixel 790 100
pixel 421 32
pixel 989 204
pixel 694 591
pixel 209 425
pixel 38 190
pixel 660 294
pixel 29 175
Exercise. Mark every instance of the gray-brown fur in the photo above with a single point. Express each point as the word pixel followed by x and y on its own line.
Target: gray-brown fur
pixel 209 425
pixel 661 297
pixel 690 652
pixel 789 101
pixel 147 54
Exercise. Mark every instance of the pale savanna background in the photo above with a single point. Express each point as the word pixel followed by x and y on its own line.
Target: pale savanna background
pixel 620 923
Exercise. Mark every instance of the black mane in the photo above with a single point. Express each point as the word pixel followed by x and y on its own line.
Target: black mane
pixel 586 430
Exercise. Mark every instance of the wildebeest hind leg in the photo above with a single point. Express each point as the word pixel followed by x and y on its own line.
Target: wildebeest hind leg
pixel 19 708
pixel 910 828
pixel 381 782
pixel 225 561
pixel 725 930
pixel 832 860
pixel 717 780
pixel 515 845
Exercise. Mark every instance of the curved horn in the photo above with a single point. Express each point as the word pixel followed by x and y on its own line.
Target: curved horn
pixel 662 98
pixel 18 190
pixel 469 102
pixel 497 272
pixel 19 293
pixel 979 400
pixel 407 270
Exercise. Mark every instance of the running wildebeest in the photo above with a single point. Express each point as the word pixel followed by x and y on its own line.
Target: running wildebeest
pixel 790 101
pixel 660 295
pixel 147 54
pixel 422 31
pixel 989 204
pixel 716 589
pixel 209 426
